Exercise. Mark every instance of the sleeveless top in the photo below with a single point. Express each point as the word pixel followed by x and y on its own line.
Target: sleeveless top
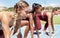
pixel 44 17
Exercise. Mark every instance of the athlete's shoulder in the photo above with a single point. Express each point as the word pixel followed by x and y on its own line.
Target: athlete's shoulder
pixel 49 13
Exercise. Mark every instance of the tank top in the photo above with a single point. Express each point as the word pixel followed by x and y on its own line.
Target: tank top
pixel 44 17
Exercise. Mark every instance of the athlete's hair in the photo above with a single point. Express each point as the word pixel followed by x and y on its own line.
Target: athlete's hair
pixel 20 5
pixel 35 6
pixel 54 9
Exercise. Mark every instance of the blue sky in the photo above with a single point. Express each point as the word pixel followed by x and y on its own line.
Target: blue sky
pixel 11 3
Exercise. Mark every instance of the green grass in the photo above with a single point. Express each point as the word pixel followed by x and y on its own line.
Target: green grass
pixel 56 20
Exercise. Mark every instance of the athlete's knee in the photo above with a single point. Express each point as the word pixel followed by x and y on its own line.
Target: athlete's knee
pixel 39 28
pixel 37 15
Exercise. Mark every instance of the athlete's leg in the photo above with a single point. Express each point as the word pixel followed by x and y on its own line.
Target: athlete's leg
pixel 1 34
pixel 45 27
pixel 37 22
pixel 29 27
pixel 5 25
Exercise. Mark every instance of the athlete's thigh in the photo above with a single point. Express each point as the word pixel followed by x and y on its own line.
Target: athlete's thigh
pixel 24 22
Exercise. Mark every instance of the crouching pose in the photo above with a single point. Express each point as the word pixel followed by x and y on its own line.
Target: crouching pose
pixel 24 17
pixel 45 16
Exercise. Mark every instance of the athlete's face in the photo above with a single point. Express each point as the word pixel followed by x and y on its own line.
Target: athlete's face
pixel 26 9
pixel 56 12
pixel 39 9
